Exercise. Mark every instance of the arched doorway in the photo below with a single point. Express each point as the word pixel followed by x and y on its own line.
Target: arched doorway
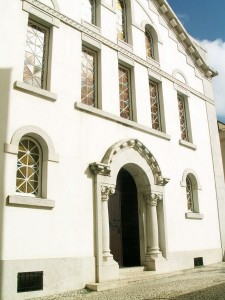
pixel 123 221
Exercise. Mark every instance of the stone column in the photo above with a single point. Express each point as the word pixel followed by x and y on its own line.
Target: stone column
pixel 151 201
pixel 106 191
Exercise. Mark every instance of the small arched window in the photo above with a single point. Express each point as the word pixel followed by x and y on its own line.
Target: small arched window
pixel 189 193
pixel 121 22
pixel 29 162
pixel 88 11
pixel 149 43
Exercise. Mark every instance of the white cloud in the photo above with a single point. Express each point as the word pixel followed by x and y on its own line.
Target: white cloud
pixel 216 60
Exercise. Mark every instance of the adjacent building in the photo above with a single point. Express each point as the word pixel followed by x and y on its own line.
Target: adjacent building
pixel 110 155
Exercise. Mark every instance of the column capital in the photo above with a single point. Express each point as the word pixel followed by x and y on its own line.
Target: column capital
pixel 153 198
pixel 106 192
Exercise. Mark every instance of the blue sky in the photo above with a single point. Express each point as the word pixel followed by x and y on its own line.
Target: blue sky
pixel 205 21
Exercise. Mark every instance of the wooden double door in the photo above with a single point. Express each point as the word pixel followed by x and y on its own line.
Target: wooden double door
pixel 123 221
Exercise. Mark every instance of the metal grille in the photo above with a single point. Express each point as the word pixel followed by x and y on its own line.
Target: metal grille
pixel 29 281
pixel 28 167
pixel 198 261
pixel 88 11
pixel 121 20
pixel 124 90
pixel 189 193
pixel 155 107
pixel 35 55
pixel 183 119
pixel 149 44
pixel 88 71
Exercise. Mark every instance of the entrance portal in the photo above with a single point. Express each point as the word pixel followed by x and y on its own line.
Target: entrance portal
pixel 123 221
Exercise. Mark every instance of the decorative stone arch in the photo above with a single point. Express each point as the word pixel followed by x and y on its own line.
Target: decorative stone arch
pixel 38 134
pixel 194 177
pixel 178 74
pixel 152 27
pixel 134 157
pixel 51 3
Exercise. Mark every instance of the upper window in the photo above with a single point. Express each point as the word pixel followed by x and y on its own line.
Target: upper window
pixel 88 11
pixel 155 105
pixel 121 20
pixel 36 52
pixel 183 118
pixel 88 77
pixel 29 161
pixel 125 94
pixel 149 45
pixel 189 193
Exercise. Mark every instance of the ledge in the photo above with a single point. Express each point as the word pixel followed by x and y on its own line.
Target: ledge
pixel 91 26
pixel 117 119
pixel 187 144
pixel 30 201
pixel 20 85
pixel 193 215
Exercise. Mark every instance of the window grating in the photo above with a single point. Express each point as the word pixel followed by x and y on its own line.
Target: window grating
pixel 88 11
pixel 29 281
pixel 189 193
pixel 124 90
pixel 155 107
pixel 88 71
pixel 28 167
pixel 183 119
pixel 35 66
pixel 149 44
pixel 121 20
pixel 198 261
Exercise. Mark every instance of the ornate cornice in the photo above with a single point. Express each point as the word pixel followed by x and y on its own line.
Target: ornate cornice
pixel 106 192
pixel 153 198
pixel 100 169
pixel 109 43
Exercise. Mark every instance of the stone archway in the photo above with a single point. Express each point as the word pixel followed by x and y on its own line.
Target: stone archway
pixel 135 158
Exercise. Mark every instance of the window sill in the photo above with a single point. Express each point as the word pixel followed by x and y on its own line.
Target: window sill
pixel 20 85
pixel 117 119
pixel 187 144
pixel 28 201
pixel 91 26
pixel 125 45
pixel 193 215
pixel 153 62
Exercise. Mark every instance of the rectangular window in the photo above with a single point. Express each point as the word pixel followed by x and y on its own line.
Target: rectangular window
pixel 29 281
pixel 125 93
pixel 88 77
pixel 155 105
pixel 183 118
pixel 36 53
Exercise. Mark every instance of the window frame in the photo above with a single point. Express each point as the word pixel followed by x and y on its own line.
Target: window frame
pixel 124 30
pixel 121 66
pixel 159 113
pixel 185 130
pixel 93 12
pixel 149 38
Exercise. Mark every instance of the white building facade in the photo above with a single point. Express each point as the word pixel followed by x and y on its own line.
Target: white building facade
pixel 110 153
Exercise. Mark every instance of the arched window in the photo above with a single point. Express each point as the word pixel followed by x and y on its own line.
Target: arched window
pixel 88 11
pixel 29 162
pixel 149 45
pixel 121 22
pixel 189 193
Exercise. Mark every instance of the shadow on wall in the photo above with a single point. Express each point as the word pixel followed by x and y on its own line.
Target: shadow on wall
pixel 5 79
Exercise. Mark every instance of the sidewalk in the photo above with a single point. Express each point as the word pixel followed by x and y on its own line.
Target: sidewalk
pixel 200 283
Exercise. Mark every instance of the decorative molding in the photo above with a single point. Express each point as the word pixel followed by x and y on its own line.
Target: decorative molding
pixel 106 192
pixel 143 151
pixel 116 47
pixel 29 201
pixel 100 169
pixel 193 215
pixel 153 198
pixel 187 144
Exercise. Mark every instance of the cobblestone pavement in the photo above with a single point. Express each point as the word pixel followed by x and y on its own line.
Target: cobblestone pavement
pixel 200 283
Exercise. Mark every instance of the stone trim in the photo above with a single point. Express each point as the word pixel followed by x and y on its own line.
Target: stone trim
pixel 109 43
pixel 194 216
pixel 29 201
pixel 102 114
pixel 20 85
pixel 187 144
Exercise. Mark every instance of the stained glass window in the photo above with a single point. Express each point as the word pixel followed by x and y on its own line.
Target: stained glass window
pixel 88 11
pixel 155 107
pixel 28 167
pixel 149 44
pixel 121 20
pixel 189 193
pixel 88 81
pixel 124 90
pixel 35 65
pixel 183 119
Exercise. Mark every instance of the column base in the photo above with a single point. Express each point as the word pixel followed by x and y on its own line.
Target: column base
pixel 155 262
pixel 109 269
